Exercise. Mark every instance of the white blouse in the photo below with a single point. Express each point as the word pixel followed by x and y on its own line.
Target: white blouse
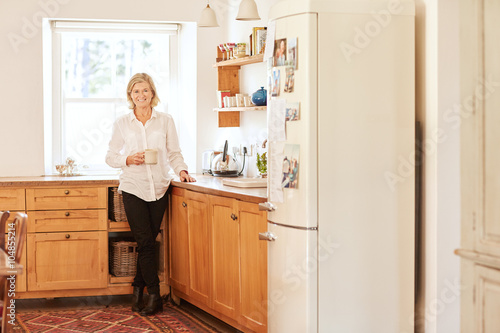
pixel 146 181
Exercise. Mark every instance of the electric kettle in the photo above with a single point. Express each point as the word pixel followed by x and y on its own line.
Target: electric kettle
pixel 225 165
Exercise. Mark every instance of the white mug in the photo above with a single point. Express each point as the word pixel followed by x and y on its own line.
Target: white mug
pixel 150 156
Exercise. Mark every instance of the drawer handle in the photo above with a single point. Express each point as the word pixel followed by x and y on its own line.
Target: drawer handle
pixel 67 213
pixel 234 217
pixel 66 192
pixel 68 236
pixel 184 204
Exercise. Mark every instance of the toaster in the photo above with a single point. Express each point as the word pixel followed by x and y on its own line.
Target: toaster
pixel 206 161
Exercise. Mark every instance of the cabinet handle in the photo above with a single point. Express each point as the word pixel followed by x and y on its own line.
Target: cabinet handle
pixel 268 236
pixel 267 206
pixel 66 214
pixel 66 192
pixel 184 204
pixel 234 217
pixel 68 236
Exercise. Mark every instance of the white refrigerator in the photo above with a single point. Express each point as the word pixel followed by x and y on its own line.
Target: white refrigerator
pixel 341 249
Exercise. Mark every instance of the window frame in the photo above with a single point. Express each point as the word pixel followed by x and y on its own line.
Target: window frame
pixel 53 101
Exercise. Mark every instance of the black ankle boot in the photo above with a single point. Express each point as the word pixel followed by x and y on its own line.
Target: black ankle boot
pixel 137 301
pixel 153 306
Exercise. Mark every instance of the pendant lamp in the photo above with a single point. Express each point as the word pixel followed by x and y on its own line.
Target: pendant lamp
pixel 248 11
pixel 208 18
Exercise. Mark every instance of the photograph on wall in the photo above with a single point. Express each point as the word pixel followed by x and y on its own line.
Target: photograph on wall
pixel 275 83
pixel 290 168
pixel 280 52
pixel 292 52
pixel 289 79
pixel 292 111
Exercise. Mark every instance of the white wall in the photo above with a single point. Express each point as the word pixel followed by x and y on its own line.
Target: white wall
pixel 22 140
pixel 21 67
pixel 437 91
pixel 252 124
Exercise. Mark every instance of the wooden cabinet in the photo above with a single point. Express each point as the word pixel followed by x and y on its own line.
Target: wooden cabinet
pixel 67 260
pixel 228 79
pixel 253 267
pixel 67 238
pixel 227 271
pixel 199 246
pixel 189 244
pixel 178 242
pixel 225 256
pixel 480 165
pixel 12 199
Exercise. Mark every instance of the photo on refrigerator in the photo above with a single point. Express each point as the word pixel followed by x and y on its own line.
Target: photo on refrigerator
pixel 280 52
pixel 290 166
pixel 291 59
pixel 292 111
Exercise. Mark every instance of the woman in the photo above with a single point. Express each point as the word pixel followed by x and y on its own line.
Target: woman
pixel 144 186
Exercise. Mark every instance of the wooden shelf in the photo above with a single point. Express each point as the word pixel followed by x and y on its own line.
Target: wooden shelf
pixel 118 226
pixel 249 108
pixel 240 61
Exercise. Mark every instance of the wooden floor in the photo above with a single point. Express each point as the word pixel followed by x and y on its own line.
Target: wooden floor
pixel 68 303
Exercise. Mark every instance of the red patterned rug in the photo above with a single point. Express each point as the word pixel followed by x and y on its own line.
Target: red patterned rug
pixel 114 319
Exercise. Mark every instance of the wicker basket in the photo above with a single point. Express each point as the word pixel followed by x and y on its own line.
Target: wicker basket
pixel 123 258
pixel 116 208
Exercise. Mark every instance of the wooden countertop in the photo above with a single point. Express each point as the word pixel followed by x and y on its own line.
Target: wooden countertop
pixel 204 184
pixel 213 185
pixel 58 181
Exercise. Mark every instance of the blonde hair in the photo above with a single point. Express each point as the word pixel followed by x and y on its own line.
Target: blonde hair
pixel 139 78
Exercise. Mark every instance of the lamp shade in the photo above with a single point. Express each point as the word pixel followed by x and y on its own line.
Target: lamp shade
pixel 208 18
pixel 248 11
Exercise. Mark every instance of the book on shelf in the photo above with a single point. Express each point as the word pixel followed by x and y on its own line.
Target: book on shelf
pixel 261 41
pixel 254 39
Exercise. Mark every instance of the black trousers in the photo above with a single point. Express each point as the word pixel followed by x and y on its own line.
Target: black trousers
pixel 144 218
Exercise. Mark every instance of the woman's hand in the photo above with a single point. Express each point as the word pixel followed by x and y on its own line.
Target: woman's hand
pixel 185 177
pixel 137 159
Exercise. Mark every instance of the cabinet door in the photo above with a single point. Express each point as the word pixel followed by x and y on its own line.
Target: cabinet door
pixel 178 244
pixel 487 286
pixel 199 246
pixel 253 267
pixel 225 256
pixel 73 260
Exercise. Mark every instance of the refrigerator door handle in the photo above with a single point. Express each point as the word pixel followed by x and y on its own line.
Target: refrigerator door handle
pixel 267 206
pixel 268 236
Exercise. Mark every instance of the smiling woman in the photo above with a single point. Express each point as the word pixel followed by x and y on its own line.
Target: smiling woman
pixel 88 80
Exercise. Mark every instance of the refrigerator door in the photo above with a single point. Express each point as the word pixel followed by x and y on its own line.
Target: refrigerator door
pixel 292 280
pixel 299 205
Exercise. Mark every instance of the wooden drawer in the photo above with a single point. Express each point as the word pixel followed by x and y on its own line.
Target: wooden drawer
pixel 67 260
pixel 67 220
pixel 12 199
pixel 66 198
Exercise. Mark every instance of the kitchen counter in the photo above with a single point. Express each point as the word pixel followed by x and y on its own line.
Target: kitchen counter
pixel 204 184
pixel 213 185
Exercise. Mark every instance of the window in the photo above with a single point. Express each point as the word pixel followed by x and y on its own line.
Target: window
pixel 92 63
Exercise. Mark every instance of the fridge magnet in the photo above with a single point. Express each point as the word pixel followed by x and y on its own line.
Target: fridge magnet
pixel 289 80
pixel 280 52
pixel 290 169
pixel 292 111
pixel 292 52
pixel 275 83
